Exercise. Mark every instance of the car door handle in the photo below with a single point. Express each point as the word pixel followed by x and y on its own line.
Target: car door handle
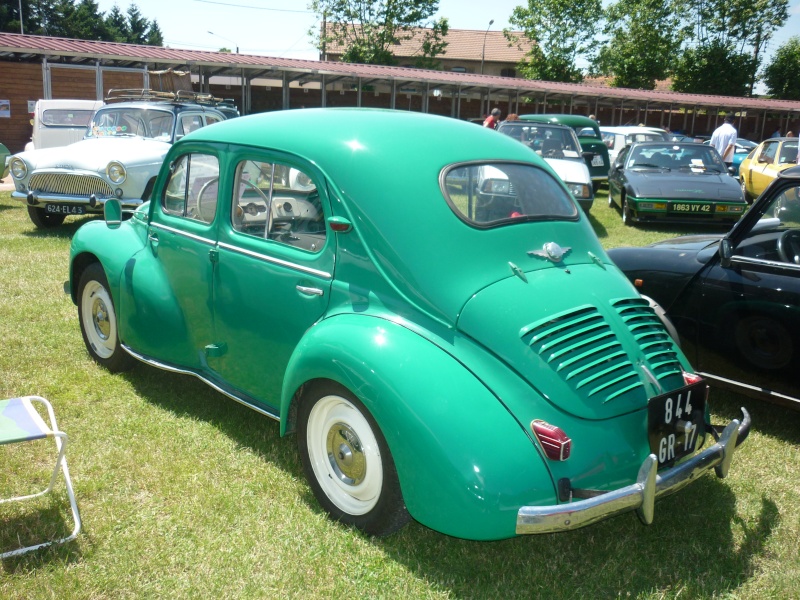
pixel 153 237
pixel 309 291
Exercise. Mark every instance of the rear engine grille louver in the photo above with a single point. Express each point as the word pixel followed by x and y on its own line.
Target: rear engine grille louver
pixel 581 347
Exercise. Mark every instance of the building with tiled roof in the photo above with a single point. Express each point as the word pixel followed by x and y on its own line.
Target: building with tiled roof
pixel 467 51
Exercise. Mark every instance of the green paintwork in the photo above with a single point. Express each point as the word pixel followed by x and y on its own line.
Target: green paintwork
pixel 419 314
pixel 4 154
pixel 588 143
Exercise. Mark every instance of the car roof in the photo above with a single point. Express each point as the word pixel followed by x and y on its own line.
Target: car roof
pixel 571 120
pixel 631 129
pixel 386 166
pixel 529 123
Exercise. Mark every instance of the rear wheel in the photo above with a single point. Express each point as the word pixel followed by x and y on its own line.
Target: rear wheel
pixel 98 321
pixel 43 219
pixel 764 342
pixel 347 461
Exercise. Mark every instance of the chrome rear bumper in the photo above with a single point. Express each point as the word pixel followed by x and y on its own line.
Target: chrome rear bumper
pixel 639 496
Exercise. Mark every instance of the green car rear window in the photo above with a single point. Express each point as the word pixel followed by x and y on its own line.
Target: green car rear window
pixel 493 194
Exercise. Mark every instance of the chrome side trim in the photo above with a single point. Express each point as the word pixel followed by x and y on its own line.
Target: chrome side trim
pixel 277 261
pixel 639 496
pixel 747 386
pixel 206 380
pixel 185 234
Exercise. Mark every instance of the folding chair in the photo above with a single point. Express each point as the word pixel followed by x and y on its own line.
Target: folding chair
pixel 21 422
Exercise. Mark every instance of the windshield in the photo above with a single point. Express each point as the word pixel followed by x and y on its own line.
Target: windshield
pixel 688 157
pixel 546 140
pixel 488 195
pixel 127 121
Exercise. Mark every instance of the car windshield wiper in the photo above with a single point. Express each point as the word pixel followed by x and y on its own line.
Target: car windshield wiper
pixel 649 166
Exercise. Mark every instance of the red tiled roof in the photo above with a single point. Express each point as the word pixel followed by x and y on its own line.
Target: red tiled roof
pixel 15 46
pixel 462 44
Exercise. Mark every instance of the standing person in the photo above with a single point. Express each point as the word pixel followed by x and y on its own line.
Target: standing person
pixel 776 133
pixel 724 140
pixel 493 120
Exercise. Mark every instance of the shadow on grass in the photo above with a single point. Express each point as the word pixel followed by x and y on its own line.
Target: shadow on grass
pixel 698 543
pixel 64 231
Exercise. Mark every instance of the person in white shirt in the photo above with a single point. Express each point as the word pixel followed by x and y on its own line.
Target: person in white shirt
pixel 724 140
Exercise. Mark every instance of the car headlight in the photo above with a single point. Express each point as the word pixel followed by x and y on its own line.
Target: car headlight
pixel 579 190
pixel 116 172
pixel 18 168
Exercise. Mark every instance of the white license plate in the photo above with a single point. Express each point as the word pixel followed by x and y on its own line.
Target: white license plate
pixel 597 160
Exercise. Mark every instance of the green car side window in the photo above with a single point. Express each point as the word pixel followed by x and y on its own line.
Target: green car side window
pixel 278 203
pixel 193 187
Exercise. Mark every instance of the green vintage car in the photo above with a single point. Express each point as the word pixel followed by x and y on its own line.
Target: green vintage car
pixel 422 303
pixel 595 151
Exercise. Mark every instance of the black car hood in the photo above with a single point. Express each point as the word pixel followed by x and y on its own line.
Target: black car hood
pixel 664 268
pixel 683 185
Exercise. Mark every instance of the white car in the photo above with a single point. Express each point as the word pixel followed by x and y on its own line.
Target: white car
pixel 559 146
pixel 60 122
pixel 120 156
pixel 616 138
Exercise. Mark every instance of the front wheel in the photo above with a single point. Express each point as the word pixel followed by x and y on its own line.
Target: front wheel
pixel 98 321
pixel 627 214
pixel 747 197
pixel 347 461
pixel 43 219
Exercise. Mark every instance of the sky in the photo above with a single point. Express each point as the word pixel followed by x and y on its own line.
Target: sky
pixel 275 28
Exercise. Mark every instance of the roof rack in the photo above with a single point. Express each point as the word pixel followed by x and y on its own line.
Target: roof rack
pixel 148 95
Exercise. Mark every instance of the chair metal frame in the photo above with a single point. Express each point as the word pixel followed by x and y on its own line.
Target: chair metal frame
pixel 27 425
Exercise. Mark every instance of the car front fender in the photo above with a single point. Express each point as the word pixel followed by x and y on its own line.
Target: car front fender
pixel 464 462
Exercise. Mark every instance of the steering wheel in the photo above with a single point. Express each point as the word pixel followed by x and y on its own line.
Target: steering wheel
pixel 207 213
pixel 789 246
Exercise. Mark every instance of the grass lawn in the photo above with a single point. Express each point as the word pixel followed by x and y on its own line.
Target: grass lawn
pixel 186 494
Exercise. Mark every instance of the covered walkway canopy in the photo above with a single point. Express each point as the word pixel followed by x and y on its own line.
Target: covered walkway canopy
pixel 260 74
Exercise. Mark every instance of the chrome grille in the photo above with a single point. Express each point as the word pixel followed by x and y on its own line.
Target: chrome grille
pixel 69 184
pixel 583 349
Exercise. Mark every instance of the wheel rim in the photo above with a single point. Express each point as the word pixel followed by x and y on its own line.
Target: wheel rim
pixel 626 217
pixel 764 342
pixel 99 320
pixel 344 455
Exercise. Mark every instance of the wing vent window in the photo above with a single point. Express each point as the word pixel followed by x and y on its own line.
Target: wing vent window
pixel 193 188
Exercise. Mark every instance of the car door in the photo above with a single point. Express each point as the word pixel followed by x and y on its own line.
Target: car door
pixel 761 167
pixel 274 271
pixel 166 298
pixel 749 312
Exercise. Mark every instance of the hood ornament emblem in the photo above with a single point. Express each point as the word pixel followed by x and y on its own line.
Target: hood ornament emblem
pixel 551 251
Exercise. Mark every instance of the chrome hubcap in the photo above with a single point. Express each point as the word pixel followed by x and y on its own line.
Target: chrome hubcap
pixel 102 326
pixel 345 454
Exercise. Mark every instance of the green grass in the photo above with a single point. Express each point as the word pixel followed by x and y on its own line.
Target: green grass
pixel 185 494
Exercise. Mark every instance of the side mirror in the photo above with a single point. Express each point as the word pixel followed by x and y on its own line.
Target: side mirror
pixel 732 171
pixel 112 212
pixel 725 252
pixel 763 159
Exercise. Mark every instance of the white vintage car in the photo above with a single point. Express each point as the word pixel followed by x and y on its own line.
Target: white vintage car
pixel 560 148
pixel 119 157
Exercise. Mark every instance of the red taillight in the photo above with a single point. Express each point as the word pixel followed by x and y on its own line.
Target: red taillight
pixel 690 378
pixel 554 441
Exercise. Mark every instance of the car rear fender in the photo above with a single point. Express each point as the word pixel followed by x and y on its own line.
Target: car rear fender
pixel 465 464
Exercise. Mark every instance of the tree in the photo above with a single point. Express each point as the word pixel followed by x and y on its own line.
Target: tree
pixel 369 31
pixel 713 69
pixel 781 75
pixel 723 35
pixel 561 32
pixel 644 39
pixel 80 19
